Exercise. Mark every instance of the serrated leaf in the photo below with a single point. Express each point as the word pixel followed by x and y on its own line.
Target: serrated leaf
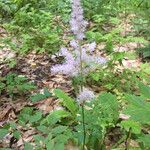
pixel 62 138
pixel 145 90
pixel 39 138
pixel 138 109
pixel 145 139
pixel 68 102
pixel 16 134
pixel 109 104
pixel 59 130
pixel 55 116
pixel 28 146
pixel 43 129
pixel 13 125
pixel 36 117
pixel 59 146
pixel 50 145
pixel 37 97
pixel 47 93
pixel 135 100
pixel 3 133
pixel 135 126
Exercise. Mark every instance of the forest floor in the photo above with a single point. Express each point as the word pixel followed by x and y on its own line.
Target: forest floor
pixel 37 68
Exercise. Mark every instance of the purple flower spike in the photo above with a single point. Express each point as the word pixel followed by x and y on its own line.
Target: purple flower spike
pixel 91 47
pixel 77 22
pixel 74 44
pixel 71 65
pixel 85 95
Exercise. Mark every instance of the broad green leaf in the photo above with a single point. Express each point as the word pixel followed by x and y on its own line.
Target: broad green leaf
pixel 109 104
pixel 49 142
pixel 3 133
pixel 43 129
pixel 135 100
pixel 138 109
pixel 13 125
pixel 145 139
pixel 16 134
pixel 62 138
pixel 59 130
pixel 37 97
pixel 145 90
pixel 50 145
pixel 47 93
pixel 28 146
pixel 135 126
pixel 39 138
pixel 56 116
pixel 59 146
pixel 36 117
pixel 68 102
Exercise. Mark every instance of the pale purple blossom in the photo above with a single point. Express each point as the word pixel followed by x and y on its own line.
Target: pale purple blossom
pixel 71 64
pixel 67 54
pixel 91 47
pixel 73 58
pixel 74 44
pixel 85 95
pixel 67 69
pixel 101 60
pixel 77 22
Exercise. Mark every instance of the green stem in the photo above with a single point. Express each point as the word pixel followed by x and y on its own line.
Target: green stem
pixel 127 143
pixel 81 67
pixel 81 87
pixel 83 123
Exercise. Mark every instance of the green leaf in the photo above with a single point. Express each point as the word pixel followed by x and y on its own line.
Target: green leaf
pixel 3 133
pixel 59 146
pixel 59 130
pixel 28 146
pixel 49 142
pixel 50 145
pixel 96 76
pixel 16 134
pixel 62 138
pixel 47 93
pixel 145 90
pixel 43 129
pixel 37 97
pixel 145 139
pixel 56 116
pixel 138 109
pixel 68 102
pixel 13 125
pixel 39 138
pixel 135 126
pixel 36 117
pixel 109 105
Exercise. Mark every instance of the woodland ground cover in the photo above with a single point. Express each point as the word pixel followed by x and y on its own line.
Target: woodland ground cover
pixel 75 75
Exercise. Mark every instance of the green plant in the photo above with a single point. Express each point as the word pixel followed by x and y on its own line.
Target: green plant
pixel 137 109
pixel 7 9
pixel 34 30
pixel 58 128
pixel 145 51
pixel 14 84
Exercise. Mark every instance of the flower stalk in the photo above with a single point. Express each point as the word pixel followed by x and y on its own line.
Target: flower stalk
pixel 80 61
